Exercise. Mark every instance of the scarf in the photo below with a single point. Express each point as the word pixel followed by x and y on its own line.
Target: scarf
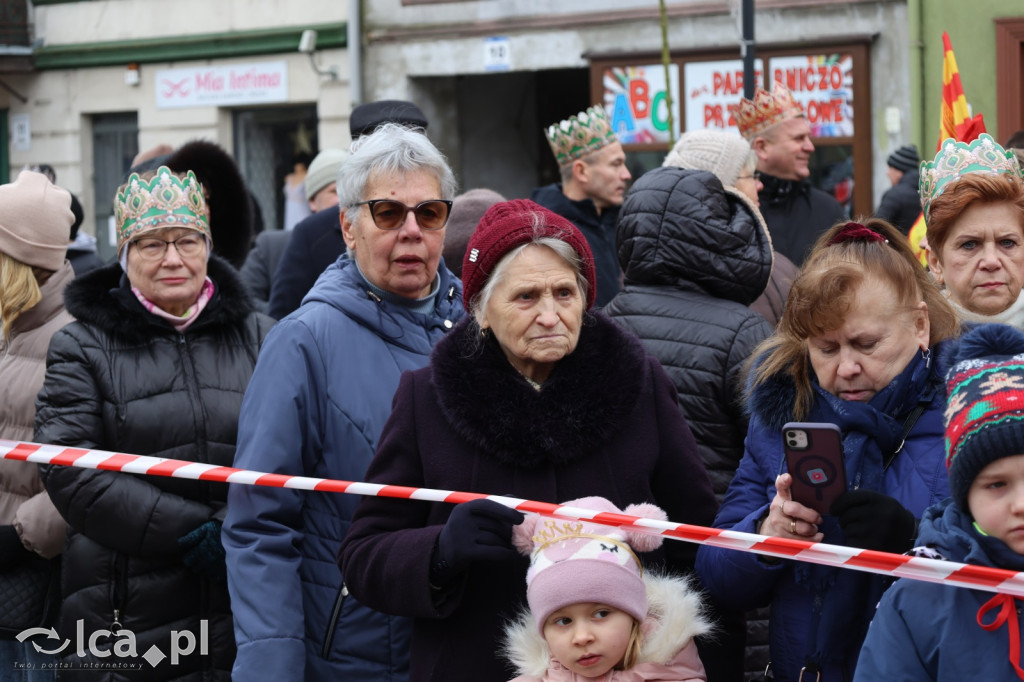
pixel 1013 316
pixel 179 322
pixel 843 601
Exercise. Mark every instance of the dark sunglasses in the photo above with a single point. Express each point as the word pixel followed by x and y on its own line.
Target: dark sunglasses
pixel 389 214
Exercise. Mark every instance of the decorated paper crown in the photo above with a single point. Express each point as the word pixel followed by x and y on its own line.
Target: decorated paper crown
pixel 579 135
pixel 956 159
pixel 163 201
pixel 755 116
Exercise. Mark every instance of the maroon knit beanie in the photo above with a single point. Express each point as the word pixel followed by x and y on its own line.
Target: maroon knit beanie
pixel 509 224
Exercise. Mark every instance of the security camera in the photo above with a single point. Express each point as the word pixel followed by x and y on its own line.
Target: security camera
pixel 307 43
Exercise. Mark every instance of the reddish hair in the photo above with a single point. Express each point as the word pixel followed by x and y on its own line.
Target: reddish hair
pixel 986 188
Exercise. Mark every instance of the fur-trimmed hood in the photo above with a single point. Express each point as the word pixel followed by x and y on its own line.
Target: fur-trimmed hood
pixel 590 393
pixel 103 298
pixel 676 616
pixel 231 214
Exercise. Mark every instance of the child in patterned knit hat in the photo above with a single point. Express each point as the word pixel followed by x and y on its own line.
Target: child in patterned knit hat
pixel 593 613
pixel 928 631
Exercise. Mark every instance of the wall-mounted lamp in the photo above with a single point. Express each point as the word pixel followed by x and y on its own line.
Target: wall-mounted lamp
pixel 307 45
pixel 131 74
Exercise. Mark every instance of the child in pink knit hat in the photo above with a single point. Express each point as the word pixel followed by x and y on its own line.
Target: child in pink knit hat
pixel 593 613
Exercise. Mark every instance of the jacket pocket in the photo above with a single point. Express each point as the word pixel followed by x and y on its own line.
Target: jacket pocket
pixel 332 624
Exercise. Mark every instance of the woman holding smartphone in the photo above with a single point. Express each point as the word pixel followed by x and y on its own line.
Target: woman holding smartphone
pixel 855 348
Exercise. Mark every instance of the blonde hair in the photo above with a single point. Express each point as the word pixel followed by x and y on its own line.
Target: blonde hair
pixel 633 646
pixel 19 290
pixel 826 289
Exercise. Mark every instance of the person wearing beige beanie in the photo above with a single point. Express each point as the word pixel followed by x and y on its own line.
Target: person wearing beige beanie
pixel 35 219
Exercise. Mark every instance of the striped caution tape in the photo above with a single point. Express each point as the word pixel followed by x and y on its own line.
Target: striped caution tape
pixel 894 565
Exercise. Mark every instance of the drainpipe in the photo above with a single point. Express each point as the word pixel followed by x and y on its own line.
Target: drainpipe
pixel 355 52
pixel 918 105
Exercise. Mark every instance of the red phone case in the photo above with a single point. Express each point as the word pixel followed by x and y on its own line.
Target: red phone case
pixel 815 461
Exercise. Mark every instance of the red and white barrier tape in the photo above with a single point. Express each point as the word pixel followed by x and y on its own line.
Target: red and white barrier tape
pixel 895 565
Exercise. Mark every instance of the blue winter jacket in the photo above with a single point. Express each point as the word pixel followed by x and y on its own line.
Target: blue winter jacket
pixel 742 581
pixel 316 405
pixel 929 632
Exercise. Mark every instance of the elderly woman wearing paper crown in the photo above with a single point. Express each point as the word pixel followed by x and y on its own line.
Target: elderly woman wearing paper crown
pixel 157 364
pixel 854 348
pixel 535 396
pixel 34 220
pixel 973 199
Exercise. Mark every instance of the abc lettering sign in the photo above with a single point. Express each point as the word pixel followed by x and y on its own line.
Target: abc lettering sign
pixel 710 88
pixel 222 85
pixel 636 99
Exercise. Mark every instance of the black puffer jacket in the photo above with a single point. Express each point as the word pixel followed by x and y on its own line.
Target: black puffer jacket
pixel 122 379
pixel 695 256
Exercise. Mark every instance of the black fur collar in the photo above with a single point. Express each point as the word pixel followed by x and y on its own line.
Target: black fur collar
pixel 581 405
pixel 103 299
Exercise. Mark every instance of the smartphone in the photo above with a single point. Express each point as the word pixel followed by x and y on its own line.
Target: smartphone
pixel 814 457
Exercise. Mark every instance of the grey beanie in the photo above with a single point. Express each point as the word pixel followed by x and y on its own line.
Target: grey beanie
pixel 323 170
pixel 467 210
pixel 35 220
pixel 905 158
pixel 723 154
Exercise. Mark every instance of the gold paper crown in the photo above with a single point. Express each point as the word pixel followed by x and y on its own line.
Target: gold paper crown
pixel 956 159
pixel 579 135
pixel 755 116
pixel 164 201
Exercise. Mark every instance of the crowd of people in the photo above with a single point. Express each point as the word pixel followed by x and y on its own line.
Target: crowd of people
pixel 622 348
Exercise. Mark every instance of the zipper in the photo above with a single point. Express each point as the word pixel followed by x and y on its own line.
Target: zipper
pixel 332 624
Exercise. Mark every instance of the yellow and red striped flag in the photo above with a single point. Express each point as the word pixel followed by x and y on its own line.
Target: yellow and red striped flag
pixel 955 122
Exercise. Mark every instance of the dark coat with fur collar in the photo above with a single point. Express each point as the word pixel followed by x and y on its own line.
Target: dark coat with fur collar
pixel 122 379
pixel 605 423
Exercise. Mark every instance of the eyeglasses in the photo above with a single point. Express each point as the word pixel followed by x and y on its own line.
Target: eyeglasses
pixel 388 214
pixel 755 176
pixel 151 248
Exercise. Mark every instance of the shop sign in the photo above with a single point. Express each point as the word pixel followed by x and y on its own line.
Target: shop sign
pixel 710 88
pixel 636 99
pixel 823 84
pixel 222 85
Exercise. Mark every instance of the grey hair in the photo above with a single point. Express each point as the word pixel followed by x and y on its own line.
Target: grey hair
pixel 500 272
pixel 390 149
pixel 750 165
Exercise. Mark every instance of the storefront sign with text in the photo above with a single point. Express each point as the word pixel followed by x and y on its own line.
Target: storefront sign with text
pixel 222 85
pixel 635 98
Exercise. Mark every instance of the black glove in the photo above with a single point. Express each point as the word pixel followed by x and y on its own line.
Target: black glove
pixel 872 520
pixel 204 553
pixel 480 530
pixel 12 551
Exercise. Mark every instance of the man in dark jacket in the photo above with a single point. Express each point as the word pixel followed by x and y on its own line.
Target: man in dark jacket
pixel 594 177
pixel 780 135
pixel 901 204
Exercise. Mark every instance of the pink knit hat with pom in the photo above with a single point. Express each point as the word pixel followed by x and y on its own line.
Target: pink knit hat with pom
pixel 572 562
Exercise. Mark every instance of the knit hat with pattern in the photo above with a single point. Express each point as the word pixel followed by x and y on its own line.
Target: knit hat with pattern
pixel 985 412
pixel 905 158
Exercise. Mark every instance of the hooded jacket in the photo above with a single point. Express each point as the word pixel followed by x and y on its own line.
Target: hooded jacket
pixel 668 652
pixel 917 479
pixel 901 203
pixel 23 500
pixel 317 403
pixel 695 256
pixel 605 423
pixel 797 213
pixel 122 379
pixel 924 632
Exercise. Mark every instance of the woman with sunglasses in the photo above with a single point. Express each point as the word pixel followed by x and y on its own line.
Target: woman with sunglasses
pixel 536 396
pixel 317 403
pixel 157 364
